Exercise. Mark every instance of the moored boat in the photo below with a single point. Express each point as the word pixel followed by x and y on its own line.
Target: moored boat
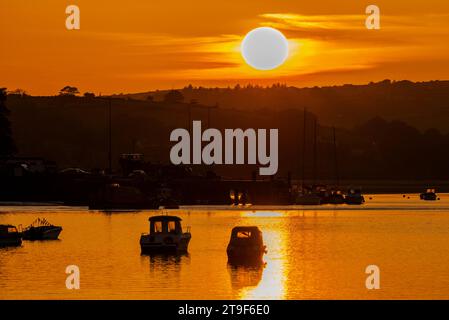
pixel 9 236
pixel 429 195
pixel 41 229
pixel 336 197
pixel 246 245
pixel 354 196
pixel 165 236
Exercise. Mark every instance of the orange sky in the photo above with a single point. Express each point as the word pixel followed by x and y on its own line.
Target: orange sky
pixel 140 45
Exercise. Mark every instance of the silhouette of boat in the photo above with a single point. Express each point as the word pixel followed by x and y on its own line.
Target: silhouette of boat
pixel 245 246
pixel 41 229
pixel 308 198
pixel 329 197
pixel 336 197
pixel 429 195
pixel 9 236
pixel 354 196
pixel 165 236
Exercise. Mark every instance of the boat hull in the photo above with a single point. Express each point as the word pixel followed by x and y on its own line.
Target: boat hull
pixel 152 247
pixel 355 200
pixel 42 233
pixel 428 197
pixel 10 242
pixel 244 255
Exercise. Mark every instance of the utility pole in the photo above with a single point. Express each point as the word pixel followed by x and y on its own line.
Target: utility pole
pixel 208 117
pixel 189 120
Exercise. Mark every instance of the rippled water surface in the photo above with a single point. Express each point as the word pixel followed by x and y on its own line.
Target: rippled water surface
pixel 313 253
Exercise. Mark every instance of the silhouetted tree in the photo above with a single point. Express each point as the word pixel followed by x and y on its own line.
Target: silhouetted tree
pixel 69 91
pixel 7 146
pixel 89 95
pixel 18 92
pixel 173 96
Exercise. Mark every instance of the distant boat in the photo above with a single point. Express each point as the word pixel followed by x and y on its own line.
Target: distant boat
pixel 246 245
pixel 429 195
pixel 354 196
pixel 308 199
pixel 336 197
pixel 41 229
pixel 329 197
pixel 9 236
pixel 165 236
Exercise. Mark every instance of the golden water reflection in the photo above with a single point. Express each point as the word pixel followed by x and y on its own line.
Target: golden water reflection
pixel 311 254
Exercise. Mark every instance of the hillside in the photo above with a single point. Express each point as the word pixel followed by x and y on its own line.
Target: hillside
pixel 423 105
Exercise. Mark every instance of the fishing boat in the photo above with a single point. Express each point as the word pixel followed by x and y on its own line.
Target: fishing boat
pixel 41 229
pixel 9 236
pixel 165 236
pixel 354 196
pixel 429 195
pixel 246 245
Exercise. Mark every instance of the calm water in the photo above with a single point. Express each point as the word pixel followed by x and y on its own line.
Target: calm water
pixel 317 253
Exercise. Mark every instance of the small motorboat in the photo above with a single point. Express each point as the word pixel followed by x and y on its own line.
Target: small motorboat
pixel 246 245
pixel 166 236
pixel 429 195
pixel 9 236
pixel 336 197
pixel 41 229
pixel 354 196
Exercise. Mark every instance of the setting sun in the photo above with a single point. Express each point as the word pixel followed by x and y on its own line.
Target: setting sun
pixel 265 48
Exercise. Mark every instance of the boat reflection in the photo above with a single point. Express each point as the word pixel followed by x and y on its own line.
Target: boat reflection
pixel 266 280
pixel 245 275
pixel 169 262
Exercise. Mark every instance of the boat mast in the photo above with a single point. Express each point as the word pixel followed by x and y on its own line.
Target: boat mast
pixel 304 148
pixel 337 177
pixel 315 158
pixel 110 135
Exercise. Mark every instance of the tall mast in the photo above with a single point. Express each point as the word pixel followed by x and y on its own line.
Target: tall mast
pixel 315 158
pixel 304 147
pixel 110 135
pixel 337 177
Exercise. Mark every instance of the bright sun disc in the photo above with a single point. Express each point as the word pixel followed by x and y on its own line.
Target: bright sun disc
pixel 264 48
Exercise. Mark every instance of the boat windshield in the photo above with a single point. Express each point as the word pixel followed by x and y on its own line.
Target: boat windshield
pixel 165 226
pixel 244 234
pixel 12 229
pixel 158 226
pixel 171 227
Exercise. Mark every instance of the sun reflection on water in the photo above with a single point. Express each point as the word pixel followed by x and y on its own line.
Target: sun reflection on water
pixel 269 280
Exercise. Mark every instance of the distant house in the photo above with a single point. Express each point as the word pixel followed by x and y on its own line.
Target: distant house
pixel 20 166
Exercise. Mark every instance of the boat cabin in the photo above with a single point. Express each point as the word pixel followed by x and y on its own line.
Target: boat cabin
pixel 9 236
pixel 243 236
pixel 165 225
pixel 7 229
